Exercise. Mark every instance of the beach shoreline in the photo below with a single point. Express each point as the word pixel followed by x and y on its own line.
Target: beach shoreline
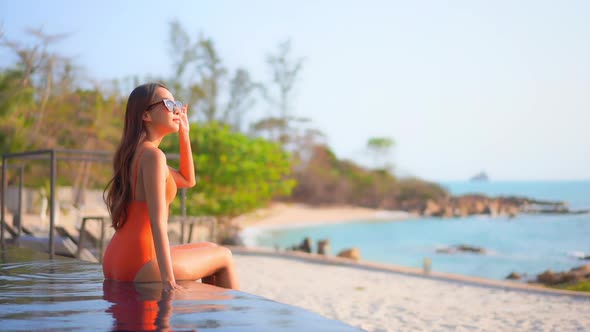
pixel 280 214
pixel 296 215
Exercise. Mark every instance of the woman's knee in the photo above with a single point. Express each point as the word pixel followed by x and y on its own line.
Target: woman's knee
pixel 204 244
pixel 225 253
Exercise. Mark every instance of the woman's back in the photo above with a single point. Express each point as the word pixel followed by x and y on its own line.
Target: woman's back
pixel 138 191
pixel 132 246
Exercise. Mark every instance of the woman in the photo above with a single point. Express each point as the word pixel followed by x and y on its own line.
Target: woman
pixel 139 195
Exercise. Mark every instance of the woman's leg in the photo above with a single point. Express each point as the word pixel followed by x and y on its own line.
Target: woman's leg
pixel 210 280
pixel 194 245
pixel 214 263
pixel 196 261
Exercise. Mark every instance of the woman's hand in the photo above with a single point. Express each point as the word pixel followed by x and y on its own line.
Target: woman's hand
pixel 169 286
pixel 184 126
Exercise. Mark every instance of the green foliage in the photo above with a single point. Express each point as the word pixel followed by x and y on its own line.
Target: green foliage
pixel 15 99
pixel 380 147
pixel 41 108
pixel 380 143
pixel 325 179
pixel 413 188
pixel 235 173
pixel 82 119
pixel 581 286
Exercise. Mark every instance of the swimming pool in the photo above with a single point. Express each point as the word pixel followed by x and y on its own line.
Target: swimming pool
pixel 66 294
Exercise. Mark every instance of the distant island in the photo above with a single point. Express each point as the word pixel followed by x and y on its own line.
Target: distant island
pixel 481 176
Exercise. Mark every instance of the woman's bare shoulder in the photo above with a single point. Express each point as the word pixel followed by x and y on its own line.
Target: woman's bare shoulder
pixel 153 156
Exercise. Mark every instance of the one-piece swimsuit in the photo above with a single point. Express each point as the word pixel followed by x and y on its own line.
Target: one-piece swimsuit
pixel 132 245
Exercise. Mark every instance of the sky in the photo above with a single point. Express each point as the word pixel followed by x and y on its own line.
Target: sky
pixel 460 86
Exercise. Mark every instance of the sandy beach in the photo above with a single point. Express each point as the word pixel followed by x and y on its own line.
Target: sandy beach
pixel 289 215
pixel 388 301
pixel 378 297
pixel 295 214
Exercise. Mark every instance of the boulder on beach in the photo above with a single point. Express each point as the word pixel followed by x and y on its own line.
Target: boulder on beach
pixel 514 276
pixel 305 246
pixel 352 253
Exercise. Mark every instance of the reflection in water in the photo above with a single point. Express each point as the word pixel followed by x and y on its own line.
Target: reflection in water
pixel 137 311
pixel 147 307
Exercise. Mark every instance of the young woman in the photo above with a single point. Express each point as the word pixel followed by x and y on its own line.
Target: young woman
pixel 140 192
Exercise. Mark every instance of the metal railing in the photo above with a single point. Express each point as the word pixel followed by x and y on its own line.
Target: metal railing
pixel 83 231
pixel 40 154
pixel 193 221
pixel 53 155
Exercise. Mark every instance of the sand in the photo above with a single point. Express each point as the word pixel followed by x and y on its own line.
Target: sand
pixel 294 214
pixel 389 301
pixel 284 215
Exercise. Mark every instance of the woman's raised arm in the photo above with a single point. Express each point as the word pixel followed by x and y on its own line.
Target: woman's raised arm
pixel 185 175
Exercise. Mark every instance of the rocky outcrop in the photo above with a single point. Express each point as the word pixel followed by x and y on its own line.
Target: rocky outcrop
pixel 466 205
pixel 575 275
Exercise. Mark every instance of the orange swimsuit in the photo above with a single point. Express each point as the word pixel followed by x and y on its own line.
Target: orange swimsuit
pixel 132 246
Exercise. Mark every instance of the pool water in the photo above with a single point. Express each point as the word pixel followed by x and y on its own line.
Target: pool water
pixel 63 294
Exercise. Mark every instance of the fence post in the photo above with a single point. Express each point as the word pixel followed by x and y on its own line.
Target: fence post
pixel 53 172
pixel 2 221
pixel 20 201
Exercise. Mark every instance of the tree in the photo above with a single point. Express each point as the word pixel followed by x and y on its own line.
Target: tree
pixel 27 89
pixel 241 99
pixel 236 173
pixel 279 94
pixel 184 54
pixel 380 147
pixel 201 80
pixel 212 73
pixel 41 108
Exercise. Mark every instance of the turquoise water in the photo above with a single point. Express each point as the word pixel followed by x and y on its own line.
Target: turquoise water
pixel 527 244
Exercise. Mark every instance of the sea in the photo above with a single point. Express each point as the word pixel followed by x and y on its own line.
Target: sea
pixel 528 244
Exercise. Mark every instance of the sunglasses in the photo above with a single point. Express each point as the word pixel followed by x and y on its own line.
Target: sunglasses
pixel 170 105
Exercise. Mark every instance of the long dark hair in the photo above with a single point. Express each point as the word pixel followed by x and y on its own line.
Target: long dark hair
pixel 117 194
